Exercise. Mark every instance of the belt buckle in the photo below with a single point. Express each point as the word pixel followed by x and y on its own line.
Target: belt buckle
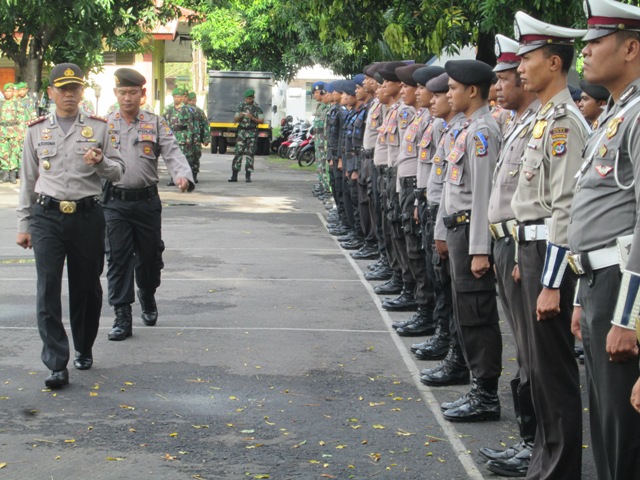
pixel 68 207
pixel 575 264
pixel 493 230
pixel 514 232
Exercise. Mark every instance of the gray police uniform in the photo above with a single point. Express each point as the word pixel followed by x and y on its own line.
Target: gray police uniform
pixel 604 210
pixel 59 206
pixel 463 210
pixel 501 223
pixel 375 115
pixel 132 206
pixel 544 192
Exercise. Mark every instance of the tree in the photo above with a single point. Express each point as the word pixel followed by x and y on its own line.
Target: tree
pixel 76 31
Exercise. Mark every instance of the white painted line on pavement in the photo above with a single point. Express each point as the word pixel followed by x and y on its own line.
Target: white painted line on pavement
pixel 212 279
pixel 427 395
pixel 244 329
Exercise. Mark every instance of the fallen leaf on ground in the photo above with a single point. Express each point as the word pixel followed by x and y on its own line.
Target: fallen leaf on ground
pixel 114 459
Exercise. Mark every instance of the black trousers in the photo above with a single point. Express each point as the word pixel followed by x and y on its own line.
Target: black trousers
pixel 376 210
pixel 553 373
pixel 615 425
pixel 134 247
pixel 475 309
pixel 338 192
pixel 386 213
pixel 364 201
pixel 397 231
pixel 77 238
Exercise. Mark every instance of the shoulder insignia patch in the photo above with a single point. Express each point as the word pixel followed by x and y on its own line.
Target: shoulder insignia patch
pixel 559 141
pixel 482 145
pixel 96 117
pixel 36 121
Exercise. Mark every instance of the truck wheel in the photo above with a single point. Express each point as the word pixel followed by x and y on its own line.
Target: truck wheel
pixel 214 144
pixel 222 145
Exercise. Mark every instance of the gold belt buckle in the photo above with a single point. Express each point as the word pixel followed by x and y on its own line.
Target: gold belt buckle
pixel 68 207
pixel 574 265
pixel 514 232
pixel 493 230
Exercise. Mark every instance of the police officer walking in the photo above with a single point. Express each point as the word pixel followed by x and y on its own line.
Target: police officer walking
pixel 132 206
pixel 65 157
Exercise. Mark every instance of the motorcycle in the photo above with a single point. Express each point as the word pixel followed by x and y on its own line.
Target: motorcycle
pixel 286 127
pixel 289 147
pixel 307 152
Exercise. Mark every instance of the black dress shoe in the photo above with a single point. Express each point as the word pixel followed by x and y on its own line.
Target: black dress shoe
pixel 170 183
pixel 367 252
pixel 446 376
pixel 503 454
pixel 83 362
pixel 354 244
pixel 393 285
pixel 516 466
pixel 383 273
pixel 403 302
pixel 57 379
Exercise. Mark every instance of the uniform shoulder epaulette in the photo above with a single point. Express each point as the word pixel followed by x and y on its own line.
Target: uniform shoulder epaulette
pixel 560 111
pixel 36 121
pixel 96 117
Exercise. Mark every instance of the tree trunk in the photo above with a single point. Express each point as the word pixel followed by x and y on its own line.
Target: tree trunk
pixel 486 48
pixel 32 73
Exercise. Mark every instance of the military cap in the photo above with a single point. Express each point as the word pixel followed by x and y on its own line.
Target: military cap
pixel 8 86
pixel 378 78
pixel 576 93
pixel 506 54
pixel 439 84
pixel 469 72
pixel 425 73
pixel 66 74
pixel 388 71
pixel 605 17
pixel 533 34
pixel 370 70
pixel 329 87
pixel 250 92
pixel 359 79
pixel 20 85
pixel 128 77
pixel 178 91
pixel 338 86
pixel 349 87
pixel 596 91
pixel 191 95
pixel 405 73
pixel 318 86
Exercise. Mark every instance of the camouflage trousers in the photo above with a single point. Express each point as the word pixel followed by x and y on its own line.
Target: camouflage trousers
pixel 10 153
pixel 323 172
pixel 246 144
pixel 194 160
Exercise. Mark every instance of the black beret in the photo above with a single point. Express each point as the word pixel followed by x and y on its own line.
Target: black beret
pixel 66 74
pixel 596 91
pixel 378 77
pixel 469 72
pixel 349 87
pixel 576 93
pixel 128 77
pixel 439 84
pixel 388 71
pixel 338 86
pixel 424 74
pixel 405 74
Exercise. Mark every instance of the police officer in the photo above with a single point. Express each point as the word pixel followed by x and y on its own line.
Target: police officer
pixel 65 157
pixel 132 206
pixel 603 220
pixel 11 124
pixel 593 100
pixel 512 96
pixel 335 122
pixel 541 205
pixel 248 116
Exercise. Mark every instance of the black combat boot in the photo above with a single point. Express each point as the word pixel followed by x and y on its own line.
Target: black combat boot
pixel 452 370
pixel 437 346
pixel 149 307
pixel 483 406
pixel 354 244
pixel 247 177
pixel 403 302
pixel 381 272
pixel 393 285
pixel 122 326
pixel 12 176
pixel 171 183
pixel 195 177
pixel 234 176
pixel 377 264
pixel 463 400
pixel 421 323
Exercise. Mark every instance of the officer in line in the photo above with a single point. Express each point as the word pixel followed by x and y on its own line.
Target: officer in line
pixel 603 220
pixel 132 206
pixel 11 124
pixel 201 135
pixel 319 136
pixel 66 155
pixel 248 116
pixel 335 120
pixel 593 100
pixel 463 212
pixel 511 95
pixel 541 205
pixel 434 147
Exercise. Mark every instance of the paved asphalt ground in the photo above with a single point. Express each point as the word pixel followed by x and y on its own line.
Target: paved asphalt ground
pixel 271 358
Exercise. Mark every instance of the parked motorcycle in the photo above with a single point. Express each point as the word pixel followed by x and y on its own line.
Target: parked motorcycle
pixel 286 127
pixel 307 152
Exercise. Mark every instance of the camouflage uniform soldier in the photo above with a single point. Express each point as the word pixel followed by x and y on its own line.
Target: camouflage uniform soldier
pixel 249 115
pixel 201 134
pixel 320 138
pixel 181 118
pixel 10 148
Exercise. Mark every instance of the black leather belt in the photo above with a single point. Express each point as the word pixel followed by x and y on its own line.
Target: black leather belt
pixel 457 219
pixel 382 169
pixel 134 194
pixel 368 153
pixel 408 182
pixel 68 206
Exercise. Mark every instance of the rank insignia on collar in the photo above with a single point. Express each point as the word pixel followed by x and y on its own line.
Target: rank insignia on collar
pixel 603 170
pixel 602 151
pixel 612 126
pixel 87 132
pixel 627 94
pixel 538 130
pixel 45 136
pixel 46 130
pixel 546 108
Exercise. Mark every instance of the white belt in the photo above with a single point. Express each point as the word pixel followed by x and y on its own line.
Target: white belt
pixel 598 259
pixel 529 233
pixel 502 229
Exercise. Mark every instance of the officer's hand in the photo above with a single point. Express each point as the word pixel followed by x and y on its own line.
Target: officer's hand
pixel 339 164
pixel 93 156
pixel 354 175
pixel 622 344
pixel 442 249
pixel 548 303
pixel 516 274
pixel 575 322
pixel 182 184
pixel 24 240
pixel 635 396
pixel 480 265
pixel 415 215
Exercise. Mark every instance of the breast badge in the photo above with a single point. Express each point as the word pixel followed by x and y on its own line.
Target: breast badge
pixel 46 165
pixel 612 126
pixel 538 130
pixel 87 132
pixel 603 170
